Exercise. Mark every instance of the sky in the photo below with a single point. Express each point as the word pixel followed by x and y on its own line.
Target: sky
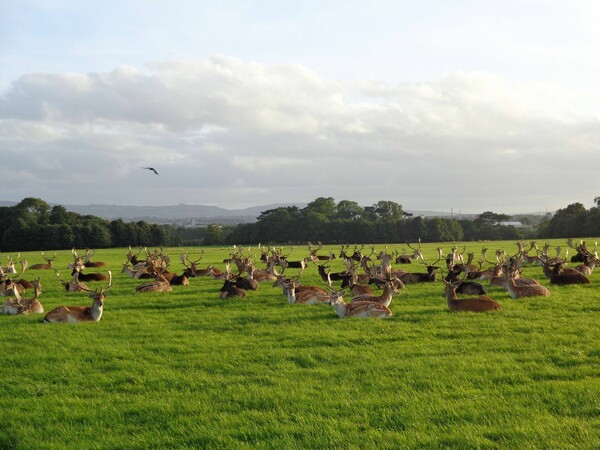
pixel 463 106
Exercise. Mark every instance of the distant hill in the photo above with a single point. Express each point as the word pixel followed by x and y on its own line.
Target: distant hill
pixel 199 214
pixel 203 213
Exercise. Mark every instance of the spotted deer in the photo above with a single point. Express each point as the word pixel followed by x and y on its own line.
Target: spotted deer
pixel 18 305
pixel 76 314
pixel 357 309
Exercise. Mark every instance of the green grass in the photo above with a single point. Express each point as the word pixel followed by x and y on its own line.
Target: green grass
pixel 186 369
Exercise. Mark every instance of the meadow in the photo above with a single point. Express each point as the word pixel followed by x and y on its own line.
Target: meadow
pixel 186 369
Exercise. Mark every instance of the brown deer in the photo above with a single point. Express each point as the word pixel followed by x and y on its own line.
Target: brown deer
pixel 430 276
pixel 523 290
pixel 314 257
pixel 43 266
pixel 357 309
pixel 18 305
pixel 464 286
pixel 87 259
pixel 553 272
pixel 72 286
pixel 588 266
pixel 94 276
pixel 304 297
pixel 481 303
pixel 10 283
pixel 10 264
pixel 76 314
pixel 230 288
pixel 160 284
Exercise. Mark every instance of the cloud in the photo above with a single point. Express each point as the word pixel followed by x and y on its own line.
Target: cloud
pixel 237 133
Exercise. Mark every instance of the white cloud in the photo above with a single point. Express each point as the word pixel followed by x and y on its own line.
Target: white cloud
pixel 237 133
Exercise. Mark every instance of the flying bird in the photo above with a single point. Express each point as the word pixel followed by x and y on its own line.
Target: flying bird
pixel 152 169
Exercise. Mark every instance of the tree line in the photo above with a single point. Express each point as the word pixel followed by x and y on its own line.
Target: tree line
pixel 33 224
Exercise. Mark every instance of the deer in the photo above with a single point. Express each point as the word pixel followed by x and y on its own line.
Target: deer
pixel 10 264
pixel 356 255
pixel 463 286
pixel 581 249
pixel 386 296
pixel 6 283
pixel 523 290
pixel 488 274
pixel 588 266
pixel 18 305
pixel 430 276
pixel 480 303
pixel 71 286
pixel 141 273
pixel 87 259
pixel 327 276
pixel 43 266
pixel 94 276
pixel 358 308
pixel 553 272
pixel 230 288
pixel 316 258
pixel 303 297
pixel 160 284
pixel 133 257
pixel 76 314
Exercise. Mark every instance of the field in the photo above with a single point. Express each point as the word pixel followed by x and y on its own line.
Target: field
pixel 186 369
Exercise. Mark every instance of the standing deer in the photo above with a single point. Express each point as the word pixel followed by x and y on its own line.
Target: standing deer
pixel 75 314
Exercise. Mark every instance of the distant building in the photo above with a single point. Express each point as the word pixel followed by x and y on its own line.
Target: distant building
pixel 512 224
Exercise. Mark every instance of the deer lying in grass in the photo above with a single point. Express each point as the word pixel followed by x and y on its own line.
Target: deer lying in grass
pixel 76 314
pixel 481 303
pixel 72 286
pixel 357 309
pixel 462 286
pixel 389 289
pixel 10 283
pixel 43 266
pixel 94 276
pixel 160 284
pixel 304 297
pixel 553 271
pixel 19 305
pixel 519 290
pixel 314 257
pixel 10 264
pixel 429 277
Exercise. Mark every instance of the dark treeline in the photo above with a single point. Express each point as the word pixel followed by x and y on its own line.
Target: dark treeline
pixel 346 221
pixel 35 225
pixel 385 222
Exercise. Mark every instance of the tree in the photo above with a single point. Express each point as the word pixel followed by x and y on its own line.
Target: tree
pixel 489 218
pixel 349 210
pixel 33 210
pixel 322 205
pixel 213 235
pixel 388 210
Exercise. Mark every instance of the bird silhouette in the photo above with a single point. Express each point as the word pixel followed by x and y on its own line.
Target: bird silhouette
pixel 152 169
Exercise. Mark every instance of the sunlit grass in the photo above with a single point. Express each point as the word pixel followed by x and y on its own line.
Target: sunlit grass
pixel 186 369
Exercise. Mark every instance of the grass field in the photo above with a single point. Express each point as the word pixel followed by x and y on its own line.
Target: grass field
pixel 186 369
